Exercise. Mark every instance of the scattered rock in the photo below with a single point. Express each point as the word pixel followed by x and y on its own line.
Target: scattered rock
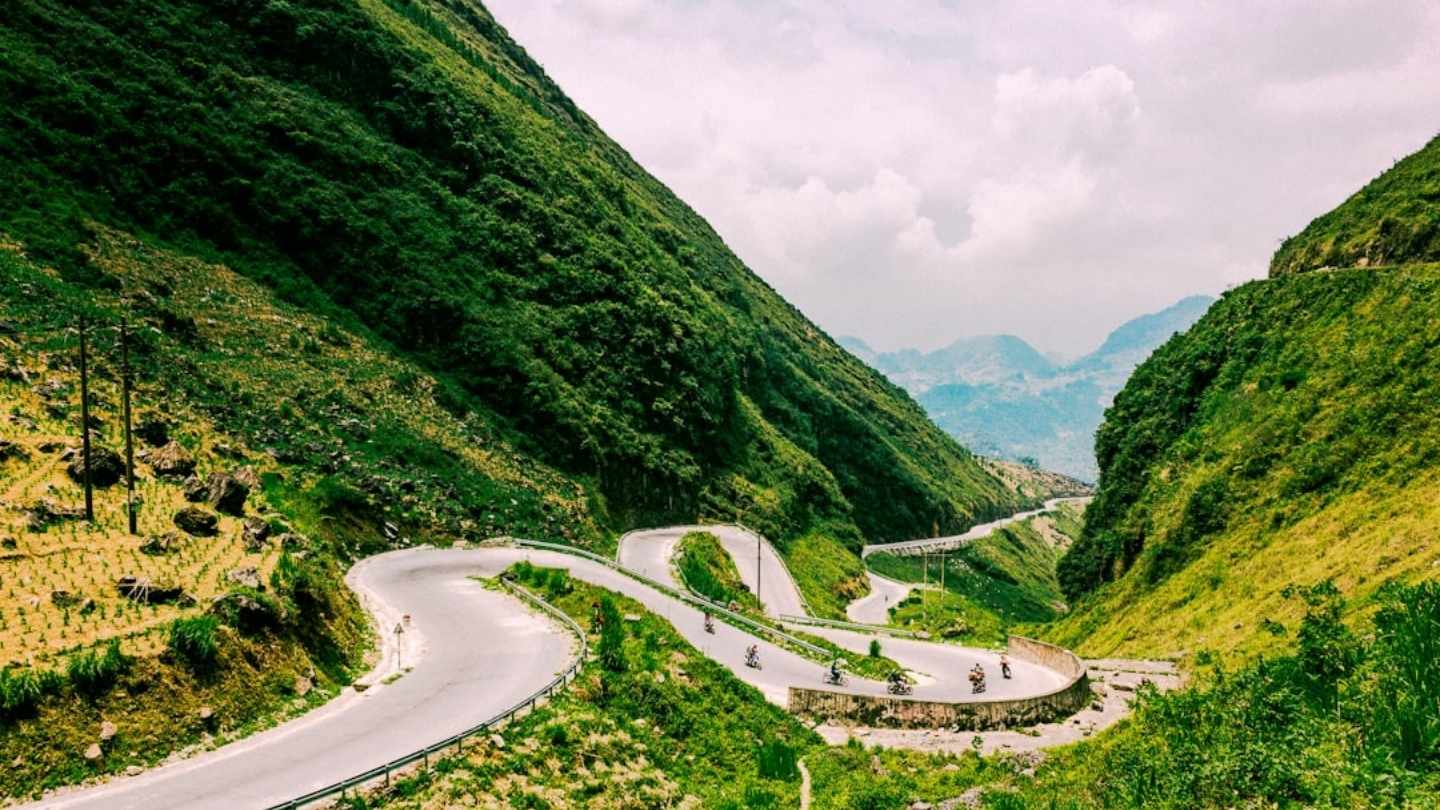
pixel 87 607
pixel 133 770
pixel 968 799
pixel 222 449
pixel 291 541
pixel 195 490
pixel 153 430
pixel 921 805
pixel 107 731
pixel 248 477
pixel 303 685
pixel 497 741
pixel 50 447
pixel 64 599
pixel 257 531
pixel 93 752
pixel 360 686
pixel 172 461
pixel 247 577
pixel 206 713
pixel 141 589
pixel 10 450
pixel 196 521
pixel 226 494
pixel 160 544
pixel 245 611
pixel 52 389
pixel 8 543
pixel 45 512
pixel 106 467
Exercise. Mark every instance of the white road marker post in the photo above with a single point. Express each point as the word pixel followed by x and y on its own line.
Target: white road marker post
pixel 399 631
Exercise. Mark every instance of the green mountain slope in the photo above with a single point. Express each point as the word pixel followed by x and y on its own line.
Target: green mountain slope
pixel 1292 435
pixel 1392 220
pixel 406 171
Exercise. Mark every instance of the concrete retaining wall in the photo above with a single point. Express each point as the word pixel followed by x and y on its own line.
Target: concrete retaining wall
pixel 975 715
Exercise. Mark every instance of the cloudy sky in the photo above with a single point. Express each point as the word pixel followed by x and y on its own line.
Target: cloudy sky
pixel 912 171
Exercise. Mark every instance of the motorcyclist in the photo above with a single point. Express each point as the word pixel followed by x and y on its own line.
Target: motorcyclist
pixel 897 684
pixel 709 622
pixel 977 679
pixel 1004 666
pixel 752 655
pixel 835 671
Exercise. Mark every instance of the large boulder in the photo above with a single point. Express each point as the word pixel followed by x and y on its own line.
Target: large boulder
pixel 257 531
pixel 198 522
pixel 153 430
pixel 171 461
pixel 247 577
pixel 106 467
pixel 142 589
pixel 195 490
pixel 225 494
pixel 11 450
pixel 45 512
pixel 161 544
pixel 246 610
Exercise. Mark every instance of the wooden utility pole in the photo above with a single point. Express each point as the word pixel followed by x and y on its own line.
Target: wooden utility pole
pixel 85 422
pixel 129 441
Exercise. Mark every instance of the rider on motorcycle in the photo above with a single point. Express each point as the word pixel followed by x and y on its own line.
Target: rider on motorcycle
pixel 752 655
pixel 835 671
pixel 709 622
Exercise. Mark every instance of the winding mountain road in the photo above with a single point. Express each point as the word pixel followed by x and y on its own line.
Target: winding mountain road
pixel 968 536
pixel 471 653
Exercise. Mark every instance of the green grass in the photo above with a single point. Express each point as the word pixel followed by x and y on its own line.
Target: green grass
pixel 828 574
pixel 1394 219
pixel 1291 436
pixel 671 726
pixel 705 566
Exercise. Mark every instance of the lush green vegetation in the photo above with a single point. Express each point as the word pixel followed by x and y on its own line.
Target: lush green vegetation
pixel 667 727
pixel 1292 435
pixel 403 169
pixel 829 575
pixel 1344 720
pixel 991 585
pixel 1394 219
pixel 708 570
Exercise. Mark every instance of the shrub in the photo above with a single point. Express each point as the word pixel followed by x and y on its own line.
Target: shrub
pixel 612 637
pixel 21 690
pixel 94 672
pixel 777 760
pixel 874 648
pixel 193 640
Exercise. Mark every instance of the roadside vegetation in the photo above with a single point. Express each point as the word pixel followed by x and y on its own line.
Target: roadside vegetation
pixel 651 722
pixel 708 570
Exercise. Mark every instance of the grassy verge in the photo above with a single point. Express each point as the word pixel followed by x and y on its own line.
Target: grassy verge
pixel 708 570
pixel 650 723
pixel 829 575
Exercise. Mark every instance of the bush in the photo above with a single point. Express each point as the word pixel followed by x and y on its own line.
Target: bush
pixel 874 648
pixel 777 760
pixel 612 637
pixel 21 690
pixel 93 672
pixel 193 640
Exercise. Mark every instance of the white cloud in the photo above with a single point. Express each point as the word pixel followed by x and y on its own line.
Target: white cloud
pixel 917 170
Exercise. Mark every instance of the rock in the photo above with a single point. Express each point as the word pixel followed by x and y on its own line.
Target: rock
pixel 920 805
pixel 245 611
pixel 248 477
pixel 106 467
pixel 45 512
pixel 257 531
pixel 50 447
pixel 93 752
pixel 64 599
pixel 160 544
pixel 226 494
pixel 87 607
pixel 196 521
pixel 140 589
pixel 360 686
pixel 497 741
pixel 303 685
pixel 153 430
pixel 247 577
pixel 107 731
pixel 195 490
pixel 10 450
pixel 133 770
pixel 291 541
pixel 52 389
pixel 206 713
pixel 172 461
pixel 970 798
pixel 8 543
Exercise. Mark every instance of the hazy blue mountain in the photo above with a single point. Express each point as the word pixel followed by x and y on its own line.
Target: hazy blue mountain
pixel 1001 397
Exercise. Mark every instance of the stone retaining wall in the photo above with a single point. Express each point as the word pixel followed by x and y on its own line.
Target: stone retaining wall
pixel 975 715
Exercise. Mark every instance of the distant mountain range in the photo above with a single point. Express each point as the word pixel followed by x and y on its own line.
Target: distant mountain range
pixel 1001 397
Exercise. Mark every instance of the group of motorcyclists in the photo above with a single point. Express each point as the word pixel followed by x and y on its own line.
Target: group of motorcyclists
pixel 896 683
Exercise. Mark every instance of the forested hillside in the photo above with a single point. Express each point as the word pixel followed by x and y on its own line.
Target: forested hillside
pixel 402 169
pixel 1291 436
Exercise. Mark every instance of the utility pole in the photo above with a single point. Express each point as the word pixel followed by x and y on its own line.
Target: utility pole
pixel 85 422
pixel 758 541
pixel 129 441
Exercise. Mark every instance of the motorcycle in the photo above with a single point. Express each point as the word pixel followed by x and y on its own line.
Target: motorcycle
pixel 709 624
pixel 899 688
pixel 835 678
pixel 752 658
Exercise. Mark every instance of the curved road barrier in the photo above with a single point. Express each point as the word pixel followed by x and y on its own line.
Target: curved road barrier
pixel 382 773
pixel 926 545
pixel 977 714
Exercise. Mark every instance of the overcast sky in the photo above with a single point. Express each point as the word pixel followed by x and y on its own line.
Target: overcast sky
pixel 913 171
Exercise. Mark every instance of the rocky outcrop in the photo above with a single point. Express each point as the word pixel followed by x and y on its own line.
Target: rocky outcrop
pixel 10 450
pixel 162 544
pixel 247 577
pixel 257 531
pixel 153 430
pixel 106 467
pixel 248 611
pixel 171 461
pixel 143 589
pixel 225 494
pixel 195 490
pixel 197 522
pixel 45 512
